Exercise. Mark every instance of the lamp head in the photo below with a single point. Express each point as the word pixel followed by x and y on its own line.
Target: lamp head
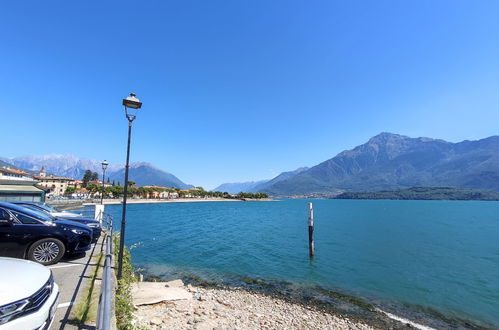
pixel 132 102
pixel 104 165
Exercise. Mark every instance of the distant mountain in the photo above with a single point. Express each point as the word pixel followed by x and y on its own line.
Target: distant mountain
pixel 74 167
pixel 236 187
pixel 144 174
pixel 5 164
pixel 256 186
pixel 391 161
pixel 281 177
pixel 63 165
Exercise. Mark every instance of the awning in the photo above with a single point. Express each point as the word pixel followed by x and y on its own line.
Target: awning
pixel 20 189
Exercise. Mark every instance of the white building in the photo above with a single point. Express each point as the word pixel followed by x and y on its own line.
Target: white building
pixel 16 185
pixel 14 175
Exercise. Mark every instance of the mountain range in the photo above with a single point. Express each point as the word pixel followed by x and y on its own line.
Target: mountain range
pixel 256 186
pixel 236 187
pixel 385 162
pixel 73 167
pixel 392 161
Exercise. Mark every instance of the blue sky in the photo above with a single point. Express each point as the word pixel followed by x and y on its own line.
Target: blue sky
pixel 243 90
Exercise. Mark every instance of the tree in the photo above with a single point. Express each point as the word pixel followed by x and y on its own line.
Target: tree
pixel 94 176
pixel 86 177
pixel 116 191
pixel 114 184
pixel 70 190
pixel 92 188
pixel 131 183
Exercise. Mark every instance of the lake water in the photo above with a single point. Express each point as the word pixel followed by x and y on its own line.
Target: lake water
pixel 425 255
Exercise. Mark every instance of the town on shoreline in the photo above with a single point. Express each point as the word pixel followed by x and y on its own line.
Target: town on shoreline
pixel 41 186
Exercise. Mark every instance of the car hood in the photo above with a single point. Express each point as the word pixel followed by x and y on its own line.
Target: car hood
pixel 79 219
pixel 21 278
pixel 73 224
pixel 66 214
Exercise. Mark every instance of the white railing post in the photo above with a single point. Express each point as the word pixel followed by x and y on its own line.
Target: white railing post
pixel 99 212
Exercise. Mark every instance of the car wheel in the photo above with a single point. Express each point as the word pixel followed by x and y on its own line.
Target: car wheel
pixel 46 251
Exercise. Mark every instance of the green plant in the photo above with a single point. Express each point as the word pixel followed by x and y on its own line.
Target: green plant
pixel 123 302
pixel 70 190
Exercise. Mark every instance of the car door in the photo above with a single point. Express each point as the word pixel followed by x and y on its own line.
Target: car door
pixel 23 231
pixel 10 245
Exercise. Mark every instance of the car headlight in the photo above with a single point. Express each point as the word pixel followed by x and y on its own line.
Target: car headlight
pixel 93 225
pixel 11 310
pixel 77 231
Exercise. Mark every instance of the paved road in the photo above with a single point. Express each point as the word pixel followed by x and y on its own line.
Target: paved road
pixel 72 276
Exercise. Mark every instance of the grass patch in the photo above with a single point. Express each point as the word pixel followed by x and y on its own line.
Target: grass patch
pixel 123 302
pixel 86 309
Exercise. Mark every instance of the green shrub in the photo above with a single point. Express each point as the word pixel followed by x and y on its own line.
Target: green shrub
pixel 123 302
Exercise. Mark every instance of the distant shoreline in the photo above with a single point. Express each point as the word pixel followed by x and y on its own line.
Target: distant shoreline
pixel 424 193
pixel 178 200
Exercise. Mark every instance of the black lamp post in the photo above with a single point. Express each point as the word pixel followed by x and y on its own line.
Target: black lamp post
pixel 104 166
pixel 132 104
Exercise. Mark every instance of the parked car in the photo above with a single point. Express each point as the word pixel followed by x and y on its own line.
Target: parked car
pixel 50 209
pixel 28 295
pixel 32 235
pixel 92 223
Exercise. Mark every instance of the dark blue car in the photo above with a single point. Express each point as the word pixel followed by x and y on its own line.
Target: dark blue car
pixel 40 207
pixel 31 235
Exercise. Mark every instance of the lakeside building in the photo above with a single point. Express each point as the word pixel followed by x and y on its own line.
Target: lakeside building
pixel 95 182
pixel 57 185
pixel 162 193
pixel 16 185
pixel 13 174
pixel 187 192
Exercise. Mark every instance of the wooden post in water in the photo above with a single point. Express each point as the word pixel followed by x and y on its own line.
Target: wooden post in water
pixel 311 230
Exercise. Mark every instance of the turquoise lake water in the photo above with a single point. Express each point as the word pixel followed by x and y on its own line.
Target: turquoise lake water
pixel 437 255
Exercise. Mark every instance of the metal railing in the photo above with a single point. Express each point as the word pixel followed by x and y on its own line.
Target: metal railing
pixel 105 310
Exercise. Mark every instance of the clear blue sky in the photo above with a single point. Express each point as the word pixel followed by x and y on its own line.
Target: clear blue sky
pixel 242 90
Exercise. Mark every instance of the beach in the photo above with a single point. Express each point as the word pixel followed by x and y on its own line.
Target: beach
pixel 210 308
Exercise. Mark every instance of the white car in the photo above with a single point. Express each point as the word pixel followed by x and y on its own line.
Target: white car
pixel 49 209
pixel 28 295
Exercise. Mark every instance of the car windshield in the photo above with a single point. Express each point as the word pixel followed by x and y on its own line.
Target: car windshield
pixel 40 215
pixel 48 208
pixel 38 211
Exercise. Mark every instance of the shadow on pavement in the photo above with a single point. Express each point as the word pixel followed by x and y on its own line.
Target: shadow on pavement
pixel 65 320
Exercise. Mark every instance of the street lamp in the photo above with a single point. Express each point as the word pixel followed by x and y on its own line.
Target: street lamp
pixel 104 166
pixel 132 105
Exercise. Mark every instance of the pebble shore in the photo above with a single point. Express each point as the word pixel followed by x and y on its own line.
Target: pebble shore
pixel 236 309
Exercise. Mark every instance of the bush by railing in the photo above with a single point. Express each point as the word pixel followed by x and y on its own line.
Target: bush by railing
pixel 124 305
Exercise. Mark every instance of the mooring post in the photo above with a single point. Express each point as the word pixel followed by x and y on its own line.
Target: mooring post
pixel 311 229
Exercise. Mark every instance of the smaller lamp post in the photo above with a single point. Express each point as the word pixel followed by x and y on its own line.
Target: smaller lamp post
pixel 104 166
pixel 132 104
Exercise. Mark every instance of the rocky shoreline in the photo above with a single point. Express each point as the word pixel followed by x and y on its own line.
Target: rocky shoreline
pixel 217 308
pixel 249 303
